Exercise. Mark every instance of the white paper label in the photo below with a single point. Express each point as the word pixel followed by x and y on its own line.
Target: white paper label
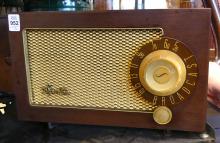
pixel 14 22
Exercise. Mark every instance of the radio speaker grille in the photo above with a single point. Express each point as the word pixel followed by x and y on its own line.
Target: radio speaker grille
pixel 92 64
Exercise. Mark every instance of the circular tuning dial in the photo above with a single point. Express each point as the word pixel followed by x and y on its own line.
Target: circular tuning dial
pixel 162 72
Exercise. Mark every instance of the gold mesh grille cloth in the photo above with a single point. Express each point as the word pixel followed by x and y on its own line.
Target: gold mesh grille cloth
pixel 93 64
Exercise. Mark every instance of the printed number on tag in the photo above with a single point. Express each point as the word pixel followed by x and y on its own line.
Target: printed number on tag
pixel 14 22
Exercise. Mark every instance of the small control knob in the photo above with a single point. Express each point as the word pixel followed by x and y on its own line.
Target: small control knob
pixel 162 115
pixel 162 72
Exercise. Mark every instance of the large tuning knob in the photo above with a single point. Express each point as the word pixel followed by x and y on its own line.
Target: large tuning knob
pixel 162 72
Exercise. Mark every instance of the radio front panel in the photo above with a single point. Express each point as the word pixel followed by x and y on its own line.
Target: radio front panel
pixel 145 68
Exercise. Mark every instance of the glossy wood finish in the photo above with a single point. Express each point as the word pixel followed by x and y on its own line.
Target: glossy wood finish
pixel 192 29
pixel 5 61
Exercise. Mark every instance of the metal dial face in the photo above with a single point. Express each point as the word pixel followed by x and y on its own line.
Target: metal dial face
pixel 164 71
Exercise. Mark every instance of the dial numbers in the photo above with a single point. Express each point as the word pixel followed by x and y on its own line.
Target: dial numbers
pixel 163 74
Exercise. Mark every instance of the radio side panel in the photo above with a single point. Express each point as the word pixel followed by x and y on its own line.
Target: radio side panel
pixel 5 61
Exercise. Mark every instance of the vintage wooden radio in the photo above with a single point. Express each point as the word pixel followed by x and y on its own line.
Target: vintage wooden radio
pixel 131 68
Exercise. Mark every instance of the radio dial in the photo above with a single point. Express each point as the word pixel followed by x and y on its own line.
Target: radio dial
pixel 162 72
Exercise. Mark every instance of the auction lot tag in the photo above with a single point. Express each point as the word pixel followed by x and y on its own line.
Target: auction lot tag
pixel 14 22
